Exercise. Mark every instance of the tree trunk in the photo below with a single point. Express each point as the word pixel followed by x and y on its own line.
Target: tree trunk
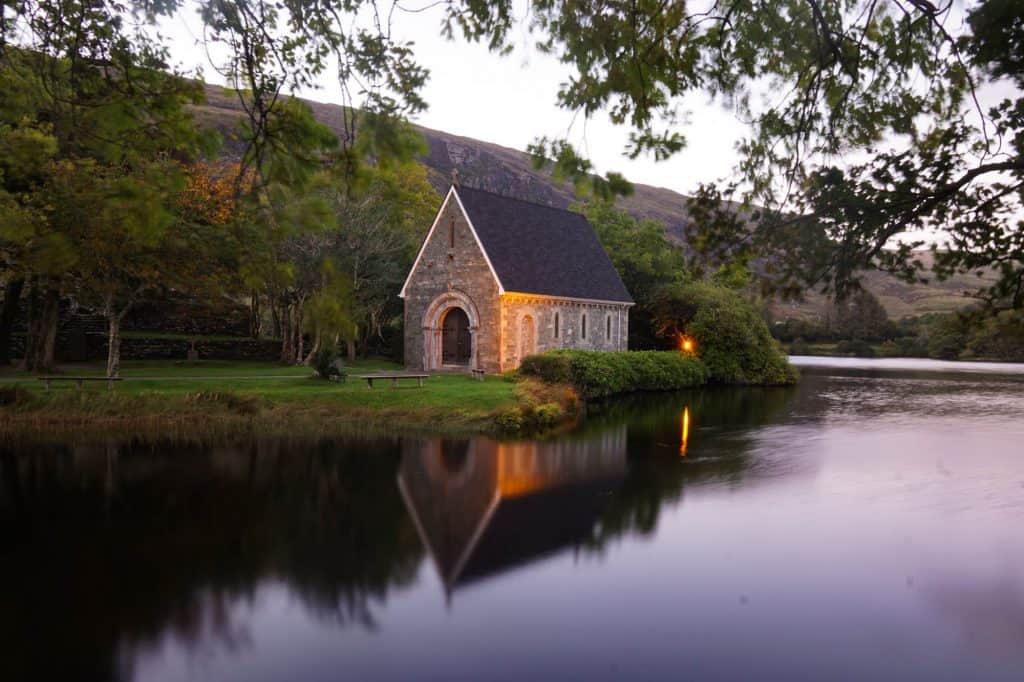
pixel 314 350
pixel 49 320
pixel 287 337
pixel 41 337
pixel 255 316
pixel 350 346
pixel 114 318
pixel 275 318
pixel 12 297
pixel 300 339
pixel 113 345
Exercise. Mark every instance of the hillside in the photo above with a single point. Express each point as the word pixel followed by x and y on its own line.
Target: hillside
pixel 510 172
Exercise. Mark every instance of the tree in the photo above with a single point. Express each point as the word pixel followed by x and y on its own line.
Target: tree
pixel 86 85
pixel 380 227
pixel 729 334
pixel 859 317
pixel 118 221
pixel 645 259
pixel 95 78
pixel 885 79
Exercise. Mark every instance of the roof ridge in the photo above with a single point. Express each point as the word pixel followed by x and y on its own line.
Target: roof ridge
pixel 522 201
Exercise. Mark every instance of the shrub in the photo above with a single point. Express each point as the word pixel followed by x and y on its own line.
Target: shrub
pixel 998 336
pixel 13 395
pixel 732 338
pixel 328 363
pixel 596 374
pixel 947 338
pixel 890 349
pixel 242 404
pixel 799 347
pixel 553 367
pixel 510 420
pixel 548 414
pixel 855 347
pixel 911 347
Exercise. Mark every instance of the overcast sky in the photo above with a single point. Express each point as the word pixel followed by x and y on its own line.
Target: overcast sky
pixel 511 101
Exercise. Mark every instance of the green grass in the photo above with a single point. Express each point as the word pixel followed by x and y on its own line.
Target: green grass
pixel 209 391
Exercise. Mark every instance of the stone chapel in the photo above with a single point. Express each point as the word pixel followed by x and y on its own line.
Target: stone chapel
pixel 499 278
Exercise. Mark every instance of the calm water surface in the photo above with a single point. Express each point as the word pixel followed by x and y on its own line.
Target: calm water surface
pixel 868 524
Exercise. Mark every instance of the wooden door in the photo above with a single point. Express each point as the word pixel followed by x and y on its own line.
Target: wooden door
pixel 456 341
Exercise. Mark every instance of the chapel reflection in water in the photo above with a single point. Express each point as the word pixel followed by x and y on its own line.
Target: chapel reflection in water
pixel 482 507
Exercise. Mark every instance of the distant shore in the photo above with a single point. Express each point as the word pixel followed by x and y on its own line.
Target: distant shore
pixel 908 364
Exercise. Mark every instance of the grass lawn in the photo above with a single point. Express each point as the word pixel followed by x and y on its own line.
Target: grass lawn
pixel 263 391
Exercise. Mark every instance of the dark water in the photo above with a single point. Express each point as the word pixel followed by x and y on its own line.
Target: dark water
pixel 865 525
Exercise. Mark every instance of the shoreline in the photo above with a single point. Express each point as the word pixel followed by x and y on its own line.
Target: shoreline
pixel 229 398
pixel 908 364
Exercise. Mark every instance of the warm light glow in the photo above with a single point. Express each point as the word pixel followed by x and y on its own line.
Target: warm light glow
pixel 686 344
pixel 686 432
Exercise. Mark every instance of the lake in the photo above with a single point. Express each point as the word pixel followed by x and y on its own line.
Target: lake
pixel 867 524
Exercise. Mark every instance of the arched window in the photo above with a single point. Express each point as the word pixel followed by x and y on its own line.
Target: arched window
pixel 451 232
pixel 583 326
pixel 557 321
pixel 608 327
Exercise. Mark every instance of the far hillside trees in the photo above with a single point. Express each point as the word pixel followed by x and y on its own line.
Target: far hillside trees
pixel 873 128
pixel 859 317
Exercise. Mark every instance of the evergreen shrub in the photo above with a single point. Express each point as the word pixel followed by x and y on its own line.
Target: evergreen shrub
pixel 596 374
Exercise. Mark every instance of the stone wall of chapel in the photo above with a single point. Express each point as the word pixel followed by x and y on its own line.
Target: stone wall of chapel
pixel 463 268
pixel 514 307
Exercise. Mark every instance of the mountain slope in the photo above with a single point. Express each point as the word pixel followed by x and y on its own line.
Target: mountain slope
pixel 510 172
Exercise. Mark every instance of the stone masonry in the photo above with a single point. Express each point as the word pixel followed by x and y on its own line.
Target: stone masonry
pixel 607 326
pixel 460 270
pixel 453 271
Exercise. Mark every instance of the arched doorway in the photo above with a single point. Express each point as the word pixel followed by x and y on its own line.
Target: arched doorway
pixel 527 337
pixel 452 316
pixel 456 341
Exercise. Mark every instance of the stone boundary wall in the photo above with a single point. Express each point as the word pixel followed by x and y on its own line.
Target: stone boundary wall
pixel 94 347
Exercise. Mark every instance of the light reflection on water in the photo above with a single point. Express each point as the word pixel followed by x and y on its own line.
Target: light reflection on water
pixel 865 525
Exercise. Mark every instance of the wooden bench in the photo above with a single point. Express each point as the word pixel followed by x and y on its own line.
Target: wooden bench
pixel 80 381
pixel 478 374
pixel 370 378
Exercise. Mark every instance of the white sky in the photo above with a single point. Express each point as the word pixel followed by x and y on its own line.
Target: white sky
pixel 511 101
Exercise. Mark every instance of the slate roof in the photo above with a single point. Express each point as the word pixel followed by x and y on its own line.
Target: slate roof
pixel 538 249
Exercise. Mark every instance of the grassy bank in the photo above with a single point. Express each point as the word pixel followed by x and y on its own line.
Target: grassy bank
pixel 267 397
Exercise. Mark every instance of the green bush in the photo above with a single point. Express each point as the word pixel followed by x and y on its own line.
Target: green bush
pixel 890 349
pixel 510 420
pixel 998 336
pixel 732 338
pixel 799 347
pixel 548 414
pixel 912 347
pixel 13 395
pixel 328 364
pixel 855 347
pixel 554 367
pixel 947 338
pixel 596 374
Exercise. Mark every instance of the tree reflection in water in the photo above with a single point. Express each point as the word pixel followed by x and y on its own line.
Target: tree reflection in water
pixel 112 551
pixel 109 549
